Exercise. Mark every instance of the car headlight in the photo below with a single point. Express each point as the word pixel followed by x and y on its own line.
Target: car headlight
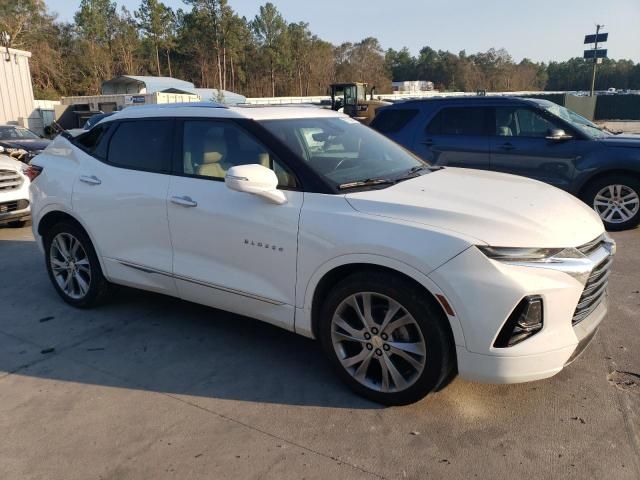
pixel 568 260
pixel 514 254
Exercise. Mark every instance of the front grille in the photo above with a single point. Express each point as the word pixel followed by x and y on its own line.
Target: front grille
pixel 8 207
pixel 594 291
pixel 10 180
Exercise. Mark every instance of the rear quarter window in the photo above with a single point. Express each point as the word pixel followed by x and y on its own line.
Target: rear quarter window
pixel 142 145
pixel 93 142
pixel 393 120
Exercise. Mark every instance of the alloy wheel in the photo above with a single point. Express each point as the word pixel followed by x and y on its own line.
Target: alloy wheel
pixel 70 265
pixel 378 342
pixel 616 203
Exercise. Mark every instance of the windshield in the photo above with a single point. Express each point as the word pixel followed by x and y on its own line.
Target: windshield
pixel 585 126
pixel 344 151
pixel 16 133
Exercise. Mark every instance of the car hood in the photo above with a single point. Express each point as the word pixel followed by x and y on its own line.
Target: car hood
pixel 29 144
pixel 627 141
pixel 8 163
pixel 494 208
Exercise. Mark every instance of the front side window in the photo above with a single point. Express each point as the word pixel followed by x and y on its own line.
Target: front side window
pixel 522 122
pixel 142 145
pixel 462 121
pixel 210 148
pixel 342 150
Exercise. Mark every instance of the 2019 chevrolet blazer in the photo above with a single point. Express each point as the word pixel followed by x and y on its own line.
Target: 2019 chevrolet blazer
pixel 306 219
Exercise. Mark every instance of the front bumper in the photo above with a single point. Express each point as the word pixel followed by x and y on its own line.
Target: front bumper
pixel 502 369
pixel 14 211
pixel 483 294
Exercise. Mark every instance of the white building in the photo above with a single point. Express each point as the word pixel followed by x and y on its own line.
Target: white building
pixel 127 90
pixel 16 91
pixel 412 86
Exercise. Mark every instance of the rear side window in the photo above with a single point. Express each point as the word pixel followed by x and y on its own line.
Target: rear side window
pixel 93 142
pixel 459 121
pixel 142 145
pixel 394 120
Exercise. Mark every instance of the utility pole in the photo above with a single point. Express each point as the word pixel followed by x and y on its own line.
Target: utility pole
pixel 595 61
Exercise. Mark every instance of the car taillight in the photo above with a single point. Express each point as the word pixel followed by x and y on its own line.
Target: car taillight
pixel 33 171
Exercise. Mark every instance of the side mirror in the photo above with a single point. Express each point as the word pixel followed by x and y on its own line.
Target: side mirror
pixel 557 134
pixel 257 180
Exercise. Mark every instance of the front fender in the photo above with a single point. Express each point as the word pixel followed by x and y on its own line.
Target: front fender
pixel 303 318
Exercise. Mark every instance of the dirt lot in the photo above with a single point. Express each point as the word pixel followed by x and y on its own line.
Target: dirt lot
pixel 153 387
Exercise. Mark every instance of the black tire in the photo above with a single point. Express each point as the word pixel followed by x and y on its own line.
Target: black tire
pixel 615 223
pixel 99 287
pixel 434 327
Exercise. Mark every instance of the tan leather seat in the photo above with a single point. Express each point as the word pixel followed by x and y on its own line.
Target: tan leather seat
pixel 213 157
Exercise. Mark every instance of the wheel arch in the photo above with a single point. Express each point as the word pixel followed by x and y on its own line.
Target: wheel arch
pixel 588 182
pixel 55 216
pixel 338 268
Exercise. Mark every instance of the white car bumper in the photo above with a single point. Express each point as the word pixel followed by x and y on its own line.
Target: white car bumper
pixel 14 202
pixel 484 293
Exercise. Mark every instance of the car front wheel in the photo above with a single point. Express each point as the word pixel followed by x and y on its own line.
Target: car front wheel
pixel 616 199
pixel 386 338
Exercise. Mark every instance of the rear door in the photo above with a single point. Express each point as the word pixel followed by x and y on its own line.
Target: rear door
pixel 121 197
pixel 456 137
pixel 519 146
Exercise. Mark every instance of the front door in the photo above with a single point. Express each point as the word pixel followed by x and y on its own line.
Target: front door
pixel 519 146
pixel 232 250
pixel 455 137
pixel 121 195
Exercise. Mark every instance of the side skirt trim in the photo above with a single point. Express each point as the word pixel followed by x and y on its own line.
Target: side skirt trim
pixel 145 269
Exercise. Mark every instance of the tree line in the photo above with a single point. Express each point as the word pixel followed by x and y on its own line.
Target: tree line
pixel 209 44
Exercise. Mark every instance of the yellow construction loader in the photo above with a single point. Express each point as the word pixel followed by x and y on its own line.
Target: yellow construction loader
pixel 351 98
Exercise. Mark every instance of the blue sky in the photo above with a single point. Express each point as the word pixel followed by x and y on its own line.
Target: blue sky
pixel 541 30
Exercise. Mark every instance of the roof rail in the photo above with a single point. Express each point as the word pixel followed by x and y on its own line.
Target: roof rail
pixel 181 104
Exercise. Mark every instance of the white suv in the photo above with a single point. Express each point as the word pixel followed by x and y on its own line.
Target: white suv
pixel 308 220
pixel 14 191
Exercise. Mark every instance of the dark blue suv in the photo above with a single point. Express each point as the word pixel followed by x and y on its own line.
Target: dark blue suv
pixel 529 137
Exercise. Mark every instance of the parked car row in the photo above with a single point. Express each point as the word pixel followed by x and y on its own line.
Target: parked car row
pixel 529 137
pixel 405 271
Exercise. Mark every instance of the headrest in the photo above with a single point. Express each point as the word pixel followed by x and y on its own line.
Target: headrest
pixel 215 148
pixel 503 117
pixel 211 157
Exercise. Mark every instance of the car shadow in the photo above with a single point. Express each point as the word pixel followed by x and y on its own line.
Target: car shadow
pixel 141 340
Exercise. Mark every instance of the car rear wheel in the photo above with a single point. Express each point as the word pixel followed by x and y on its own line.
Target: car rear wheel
pixel 73 266
pixel 616 199
pixel 386 338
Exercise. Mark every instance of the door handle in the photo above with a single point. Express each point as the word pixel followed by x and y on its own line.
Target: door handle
pixel 184 201
pixel 90 179
pixel 507 146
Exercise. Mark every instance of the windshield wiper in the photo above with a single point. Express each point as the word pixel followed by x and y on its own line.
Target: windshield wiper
pixel 366 183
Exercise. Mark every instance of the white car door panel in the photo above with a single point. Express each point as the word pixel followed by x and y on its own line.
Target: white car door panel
pixel 125 211
pixel 234 250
